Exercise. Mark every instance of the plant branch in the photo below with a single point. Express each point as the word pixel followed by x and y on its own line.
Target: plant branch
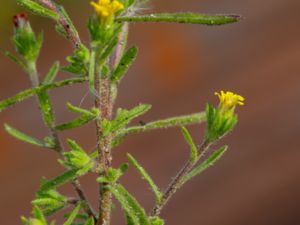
pixel 177 181
pixel 72 35
pixel 86 205
pixel 166 123
pixel 33 91
pixel 58 145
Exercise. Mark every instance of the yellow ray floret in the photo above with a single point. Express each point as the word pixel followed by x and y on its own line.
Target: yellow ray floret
pixel 229 100
pixel 107 8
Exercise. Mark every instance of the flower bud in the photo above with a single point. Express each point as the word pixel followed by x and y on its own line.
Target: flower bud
pixel 24 39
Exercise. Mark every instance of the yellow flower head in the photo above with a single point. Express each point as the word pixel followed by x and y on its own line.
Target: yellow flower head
pixel 229 100
pixel 107 8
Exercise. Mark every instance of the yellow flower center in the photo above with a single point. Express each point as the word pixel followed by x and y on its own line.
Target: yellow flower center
pixel 107 8
pixel 229 100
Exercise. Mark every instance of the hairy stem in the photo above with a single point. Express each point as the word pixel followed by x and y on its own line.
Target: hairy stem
pixel 104 103
pixel 63 21
pixel 32 71
pixel 177 181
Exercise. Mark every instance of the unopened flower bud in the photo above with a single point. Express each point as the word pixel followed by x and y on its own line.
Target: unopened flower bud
pixel 25 41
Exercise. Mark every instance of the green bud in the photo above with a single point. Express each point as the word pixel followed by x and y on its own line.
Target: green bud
pixel 25 40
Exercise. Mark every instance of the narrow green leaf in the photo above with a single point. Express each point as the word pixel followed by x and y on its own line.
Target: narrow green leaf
pixel 49 206
pixel 25 221
pixel 85 117
pixel 59 180
pixel 14 59
pixel 82 120
pixel 191 18
pixel 38 214
pixel 36 8
pixel 92 72
pixel 76 109
pixel 51 74
pixel 206 164
pixel 110 46
pixel 73 215
pixel 25 138
pixel 146 176
pixel 166 123
pixel 46 107
pixel 126 116
pixel 108 50
pixel 31 92
pixel 90 221
pixel 130 205
pixel 124 65
pixel 193 146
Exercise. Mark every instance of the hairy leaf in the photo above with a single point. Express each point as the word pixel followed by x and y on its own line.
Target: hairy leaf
pixel 193 146
pixel 51 74
pixel 25 138
pixel 38 9
pixel 124 117
pixel 90 221
pixel 76 109
pixel 124 65
pixel 91 72
pixel 206 164
pixel 146 176
pixel 46 107
pixel 73 215
pixel 59 180
pixel 85 117
pixel 191 18
pixel 166 123
pixel 130 205
pixel 15 59
pixel 38 214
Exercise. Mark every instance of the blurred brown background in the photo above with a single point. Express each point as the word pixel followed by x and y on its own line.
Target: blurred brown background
pixel 177 71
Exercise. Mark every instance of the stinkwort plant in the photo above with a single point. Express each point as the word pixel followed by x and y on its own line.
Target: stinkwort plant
pixel 102 64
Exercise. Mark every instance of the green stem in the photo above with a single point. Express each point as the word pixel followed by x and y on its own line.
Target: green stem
pixel 32 72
